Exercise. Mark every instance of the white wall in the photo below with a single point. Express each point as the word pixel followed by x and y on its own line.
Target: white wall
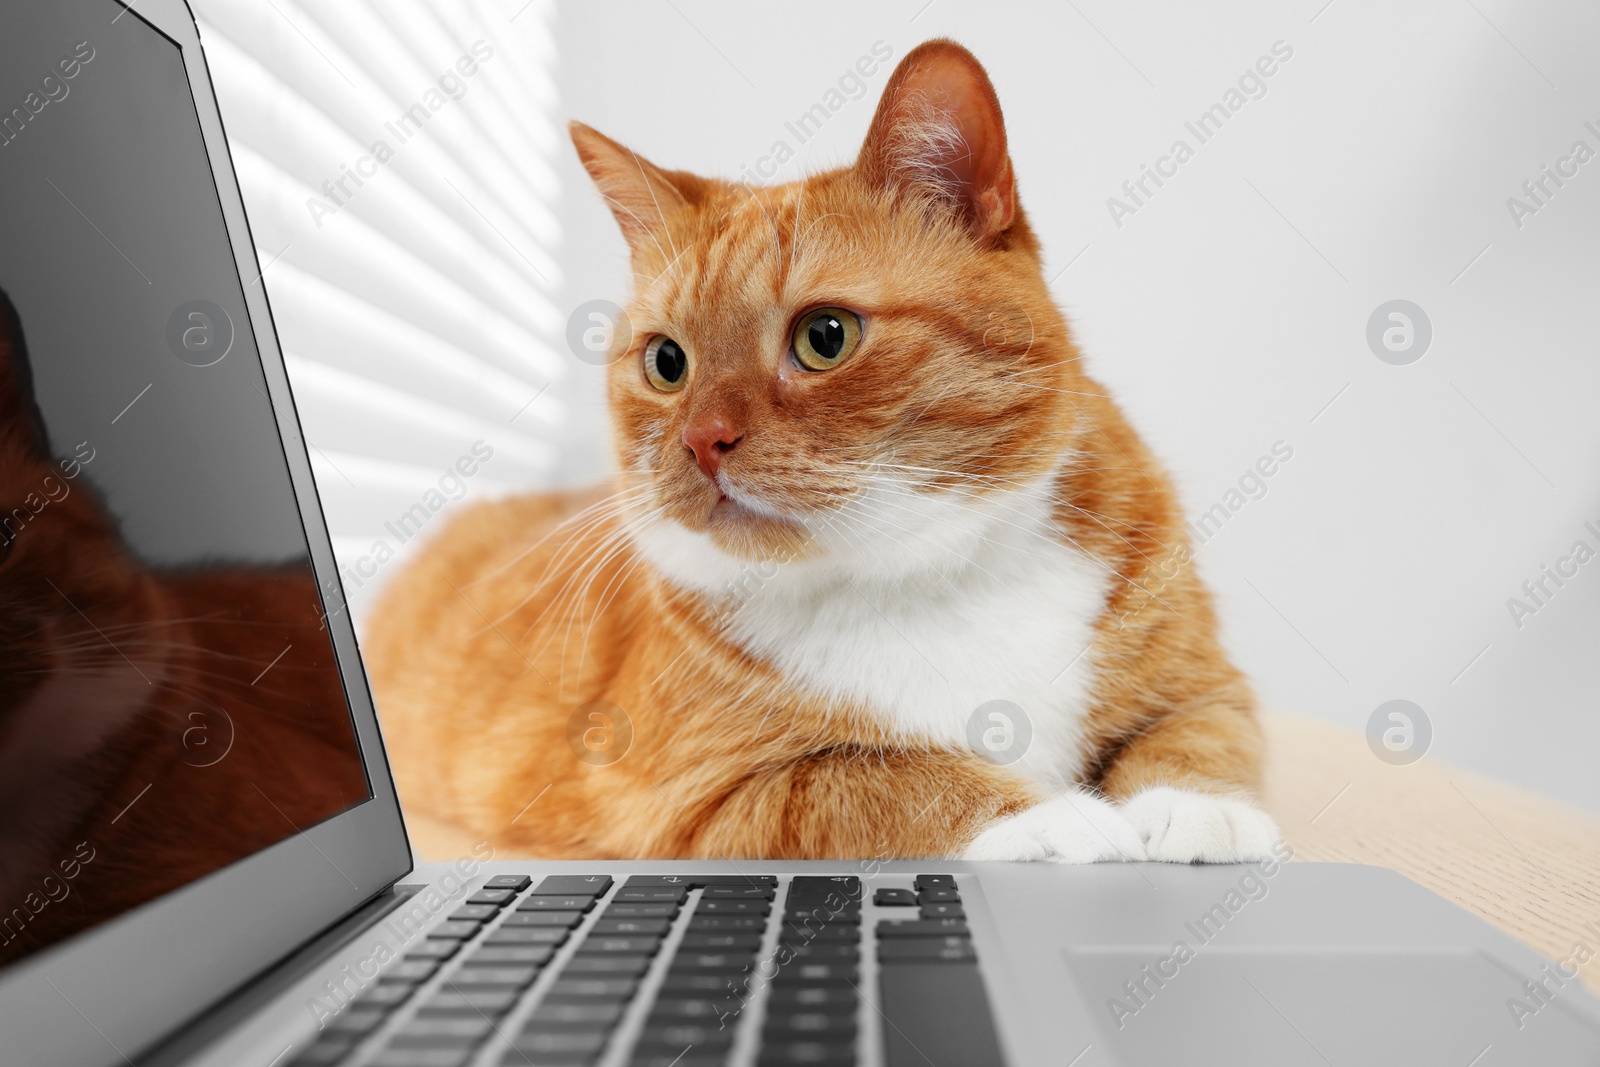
pixel 414 285
pixel 1229 312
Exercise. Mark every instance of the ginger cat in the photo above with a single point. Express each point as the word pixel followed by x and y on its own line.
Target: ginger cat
pixel 865 489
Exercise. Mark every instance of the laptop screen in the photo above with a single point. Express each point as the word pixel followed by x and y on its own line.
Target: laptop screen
pixel 169 698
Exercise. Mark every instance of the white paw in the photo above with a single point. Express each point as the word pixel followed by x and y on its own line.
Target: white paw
pixel 1178 826
pixel 1072 828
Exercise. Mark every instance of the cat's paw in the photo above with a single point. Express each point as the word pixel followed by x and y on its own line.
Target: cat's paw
pixel 1072 828
pixel 1179 826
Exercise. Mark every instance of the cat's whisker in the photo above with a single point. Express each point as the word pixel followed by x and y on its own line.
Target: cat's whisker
pixel 576 521
pixel 794 245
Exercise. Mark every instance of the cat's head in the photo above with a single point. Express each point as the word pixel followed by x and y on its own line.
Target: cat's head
pixel 828 367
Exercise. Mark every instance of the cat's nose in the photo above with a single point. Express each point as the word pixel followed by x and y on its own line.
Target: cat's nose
pixel 709 439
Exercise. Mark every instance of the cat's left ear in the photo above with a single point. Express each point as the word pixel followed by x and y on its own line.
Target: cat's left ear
pixel 20 419
pixel 938 135
pixel 641 195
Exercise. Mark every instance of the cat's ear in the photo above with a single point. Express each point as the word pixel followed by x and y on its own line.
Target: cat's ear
pixel 640 194
pixel 939 136
pixel 19 412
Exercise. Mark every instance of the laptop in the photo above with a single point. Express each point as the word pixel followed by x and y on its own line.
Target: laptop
pixel 202 859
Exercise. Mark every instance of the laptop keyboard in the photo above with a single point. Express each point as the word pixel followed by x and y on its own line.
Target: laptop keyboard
pixel 561 976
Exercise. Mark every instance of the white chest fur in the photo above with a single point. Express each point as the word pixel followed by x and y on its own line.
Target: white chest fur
pixel 922 607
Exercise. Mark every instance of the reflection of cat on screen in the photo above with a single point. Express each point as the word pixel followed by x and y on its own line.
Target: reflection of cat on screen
pixel 136 753
pixel 883 572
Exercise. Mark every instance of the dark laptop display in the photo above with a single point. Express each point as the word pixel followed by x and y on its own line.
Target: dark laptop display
pixel 169 697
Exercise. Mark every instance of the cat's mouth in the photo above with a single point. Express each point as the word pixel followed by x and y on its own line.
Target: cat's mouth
pixel 736 511
pixel 727 510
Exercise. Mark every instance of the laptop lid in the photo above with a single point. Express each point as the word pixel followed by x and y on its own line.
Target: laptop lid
pixel 191 777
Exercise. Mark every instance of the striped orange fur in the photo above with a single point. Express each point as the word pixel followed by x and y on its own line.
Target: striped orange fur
pixel 803 583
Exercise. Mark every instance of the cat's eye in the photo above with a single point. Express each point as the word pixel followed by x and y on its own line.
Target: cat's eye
pixel 824 338
pixel 666 364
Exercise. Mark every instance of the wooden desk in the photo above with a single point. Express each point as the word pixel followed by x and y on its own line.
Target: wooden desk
pixel 1527 864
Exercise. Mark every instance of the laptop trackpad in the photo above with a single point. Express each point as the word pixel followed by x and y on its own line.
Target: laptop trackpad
pixel 1317 1007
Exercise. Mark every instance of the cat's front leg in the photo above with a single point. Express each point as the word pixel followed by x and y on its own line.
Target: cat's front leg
pixel 1073 827
pixel 1185 784
pixel 1189 826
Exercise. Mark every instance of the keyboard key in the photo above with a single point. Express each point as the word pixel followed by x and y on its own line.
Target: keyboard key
pixel 470 1002
pixel 528 935
pixel 943 911
pixel 498 897
pixel 689 983
pixel 542 918
pixel 514 882
pixel 894 898
pixel 649 927
pixel 522 936
pixel 654 895
pixel 699 881
pixel 410 971
pixel 744 940
pixel 590 1014
pixel 588 966
pixel 938 896
pixel 815 917
pixel 795 934
pixel 738 892
pixel 806 971
pixel 810 1025
pixel 434 950
pixel 534 955
pixel 923 928
pixel 474 913
pixel 833 998
pixel 733 907
pixel 678 1035
pixel 936 1006
pixel 506 975
pixel 442 1031
pixel 699 922
pixel 595 945
pixel 732 962
pixel 668 910
pixel 454 931
pixel 932 949
pixel 423 1057
pixel 825 951
pixel 671 1007
pixel 553 1043
pixel 575 885
pixel 811 1053
pixel 822 885
pixel 544 903
pixel 680 1058
pixel 935 881
pixel 580 987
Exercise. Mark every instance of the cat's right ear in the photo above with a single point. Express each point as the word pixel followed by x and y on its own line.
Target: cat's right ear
pixel 938 137
pixel 19 412
pixel 640 194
